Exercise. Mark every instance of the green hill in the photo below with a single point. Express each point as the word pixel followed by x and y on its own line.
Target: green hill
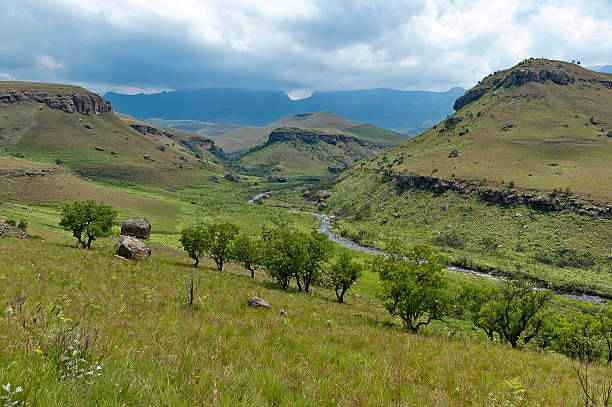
pixel 307 153
pixel 72 127
pixel 517 181
pixel 243 139
pixel 541 125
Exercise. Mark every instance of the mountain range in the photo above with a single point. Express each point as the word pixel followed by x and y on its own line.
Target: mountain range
pixel 408 112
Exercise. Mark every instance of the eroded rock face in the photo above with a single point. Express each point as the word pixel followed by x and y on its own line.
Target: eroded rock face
pixel 507 197
pixel 85 103
pixel 136 227
pixel 311 136
pixel 131 248
pixel 144 129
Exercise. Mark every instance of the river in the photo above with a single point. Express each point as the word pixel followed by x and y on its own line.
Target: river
pixel 325 226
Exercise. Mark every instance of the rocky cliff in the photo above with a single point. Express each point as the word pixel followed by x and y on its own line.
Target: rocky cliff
pixel 311 136
pixel 83 102
pixel 508 197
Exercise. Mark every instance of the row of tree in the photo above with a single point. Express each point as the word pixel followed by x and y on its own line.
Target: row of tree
pixel 286 255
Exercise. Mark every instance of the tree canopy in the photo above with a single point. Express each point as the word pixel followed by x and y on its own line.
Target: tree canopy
pixel 88 220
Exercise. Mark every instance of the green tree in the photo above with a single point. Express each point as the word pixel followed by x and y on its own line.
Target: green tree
pixel 248 252
pixel 513 310
pixel 343 274
pixel 88 220
pixel 192 240
pixel 283 255
pixel 218 239
pixel 413 285
pixel 317 250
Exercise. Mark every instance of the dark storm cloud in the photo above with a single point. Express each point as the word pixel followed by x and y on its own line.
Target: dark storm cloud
pixel 159 44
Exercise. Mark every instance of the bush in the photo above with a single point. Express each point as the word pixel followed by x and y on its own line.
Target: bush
pixel 413 284
pixel 10 222
pixel 449 239
pixel 563 257
pixel 488 242
pixel 88 220
pixel 23 224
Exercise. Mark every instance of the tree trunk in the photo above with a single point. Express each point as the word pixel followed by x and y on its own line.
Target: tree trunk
pixel 341 296
pixel 252 270
pixel 197 261
pixel 297 279
pixel 89 239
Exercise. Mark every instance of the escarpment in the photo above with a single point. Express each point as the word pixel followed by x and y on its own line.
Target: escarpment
pixel 81 102
pixel 311 136
pixel 506 197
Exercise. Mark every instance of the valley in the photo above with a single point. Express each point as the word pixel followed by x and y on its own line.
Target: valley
pixel 513 188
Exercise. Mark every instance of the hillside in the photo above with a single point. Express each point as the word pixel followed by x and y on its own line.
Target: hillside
pixel 404 111
pixel 541 125
pixel 154 349
pixel 70 126
pixel 516 182
pixel 243 139
pixel 307 153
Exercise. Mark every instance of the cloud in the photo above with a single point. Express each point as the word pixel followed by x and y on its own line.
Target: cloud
pixel 291 44
pixel 48 62
pixel 6 77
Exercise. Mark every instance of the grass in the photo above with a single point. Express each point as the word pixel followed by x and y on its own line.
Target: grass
pixel 552 144
pixel 155 350
pixel 422 217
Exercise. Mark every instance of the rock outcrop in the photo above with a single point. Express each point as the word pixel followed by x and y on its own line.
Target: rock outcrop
pixel 203 143
pixel 311 136
pixel 131 248
pixel 145 129
pixel 84 103
pixel 136 227
pixel 257 302
pixel 506 197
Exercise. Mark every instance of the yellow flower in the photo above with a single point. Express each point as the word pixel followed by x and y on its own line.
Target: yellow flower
pixel 38 350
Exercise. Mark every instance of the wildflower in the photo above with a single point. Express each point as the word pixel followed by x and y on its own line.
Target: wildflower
pixel 38 351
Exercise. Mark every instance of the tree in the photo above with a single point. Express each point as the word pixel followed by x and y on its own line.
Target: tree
pixel 192 240
pixel 291 253
pixel 247 252
pixel 343 274
pixel 513 310
pixel 88 220
pixel 413 285
pixel 218 239
pixel 317 249
pixel 283 255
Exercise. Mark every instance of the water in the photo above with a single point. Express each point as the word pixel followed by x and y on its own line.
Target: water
pixel 325 226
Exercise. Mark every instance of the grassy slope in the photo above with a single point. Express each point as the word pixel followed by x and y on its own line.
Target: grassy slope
pixel 245 138
pixel 372 210
pixel 551 126
pixel 46 135
pixel 155 350
pixel 297 159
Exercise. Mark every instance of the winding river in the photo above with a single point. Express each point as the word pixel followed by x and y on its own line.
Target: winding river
pixel 325 226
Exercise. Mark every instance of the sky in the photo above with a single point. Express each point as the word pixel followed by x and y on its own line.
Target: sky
pixel 295 46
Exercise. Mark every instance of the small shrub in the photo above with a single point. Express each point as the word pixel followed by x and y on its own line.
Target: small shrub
pixel 59 161
pixel 449 239
pixel 23 224
pixel 488 242
pixel 563 257
pixel 11 222
pixel 511 184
